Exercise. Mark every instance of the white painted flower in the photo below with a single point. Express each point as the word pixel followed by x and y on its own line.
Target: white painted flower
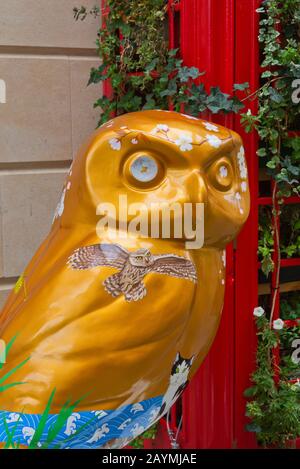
pixel 278 324
pixel 184 142
pixel 71 424
pixel 99 433
pixel 137 430
pixel 223 172
pixel 238 196
pixel 60 206
pixel 134 141
pixel 242 163
pixel 210 127
pixel 244 186
pixel 115 143
pixel 258 311
pixel 160 128
pixel 213 140
pixel 224 258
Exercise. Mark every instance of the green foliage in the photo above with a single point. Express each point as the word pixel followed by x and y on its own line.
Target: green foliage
pixel 143 73
pixel 277 113
pixel 289 235
pixel 274 399
pixel 150 434
pixel 274 409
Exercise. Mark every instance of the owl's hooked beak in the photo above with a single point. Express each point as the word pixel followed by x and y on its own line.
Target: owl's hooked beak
pixel 196 187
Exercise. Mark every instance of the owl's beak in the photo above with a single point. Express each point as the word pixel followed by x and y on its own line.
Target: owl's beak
pixel 196 187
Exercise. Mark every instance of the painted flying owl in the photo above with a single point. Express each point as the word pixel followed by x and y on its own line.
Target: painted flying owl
pixel 120 304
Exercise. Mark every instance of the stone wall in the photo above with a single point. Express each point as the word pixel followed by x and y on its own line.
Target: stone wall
pixel 45 57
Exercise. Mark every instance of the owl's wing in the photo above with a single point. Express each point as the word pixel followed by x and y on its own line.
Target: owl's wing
pixel 108 255
pixel 176 266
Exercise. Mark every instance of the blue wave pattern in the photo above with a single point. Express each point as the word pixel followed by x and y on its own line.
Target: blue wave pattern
pixel 83 430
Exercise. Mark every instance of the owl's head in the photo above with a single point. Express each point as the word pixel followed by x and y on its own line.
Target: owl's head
pixel 140 258
pixel 152 158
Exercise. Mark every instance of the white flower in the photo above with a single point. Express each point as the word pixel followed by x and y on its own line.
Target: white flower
pixel 244 186
pixel 224 258
pixel 213 140
pixel 242 163
pixel 134 141
pixel 115 143
pixel 160 128
pixel 278 324
pixel 223 172
pixel 184 142
pixel 249 112
pixel 211 127
pixel 258 311
pixel 238 196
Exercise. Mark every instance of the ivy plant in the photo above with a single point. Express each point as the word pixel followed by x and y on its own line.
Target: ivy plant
pixel 143 73
pixel 274 398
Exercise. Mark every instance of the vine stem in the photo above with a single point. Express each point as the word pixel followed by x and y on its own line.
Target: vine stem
pixel 261 88
pixel 277 241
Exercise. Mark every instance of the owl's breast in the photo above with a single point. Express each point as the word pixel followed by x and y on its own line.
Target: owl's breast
pixel 82 341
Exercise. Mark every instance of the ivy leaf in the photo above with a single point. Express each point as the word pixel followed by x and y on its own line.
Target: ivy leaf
pixel 274 95
pixel 267 265
pixel 250 392
pixel 241 86
pixel 217 101
pixel 253 427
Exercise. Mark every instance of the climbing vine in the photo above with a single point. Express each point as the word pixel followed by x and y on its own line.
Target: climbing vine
pixel 274 405
pixel 142 71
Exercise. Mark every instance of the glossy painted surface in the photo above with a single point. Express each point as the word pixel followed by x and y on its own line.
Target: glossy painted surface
pixel 105 350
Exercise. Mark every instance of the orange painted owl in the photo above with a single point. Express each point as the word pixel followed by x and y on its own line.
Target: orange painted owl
pixel 120 304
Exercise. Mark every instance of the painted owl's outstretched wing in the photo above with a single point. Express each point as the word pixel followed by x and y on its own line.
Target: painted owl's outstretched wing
pixel 108 255
pixel 176 266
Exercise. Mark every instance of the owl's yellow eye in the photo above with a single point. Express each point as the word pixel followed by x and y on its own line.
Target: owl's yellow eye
pixel 221 174
pixel 143 170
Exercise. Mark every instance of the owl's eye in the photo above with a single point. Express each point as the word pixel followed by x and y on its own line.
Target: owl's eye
pixel 143 170
pixel 221 174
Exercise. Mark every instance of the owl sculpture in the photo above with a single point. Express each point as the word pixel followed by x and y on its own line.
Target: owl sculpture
pixel 121 303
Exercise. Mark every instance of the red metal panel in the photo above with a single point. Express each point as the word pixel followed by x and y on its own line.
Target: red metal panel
pixel 246 292
pixel 207 39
